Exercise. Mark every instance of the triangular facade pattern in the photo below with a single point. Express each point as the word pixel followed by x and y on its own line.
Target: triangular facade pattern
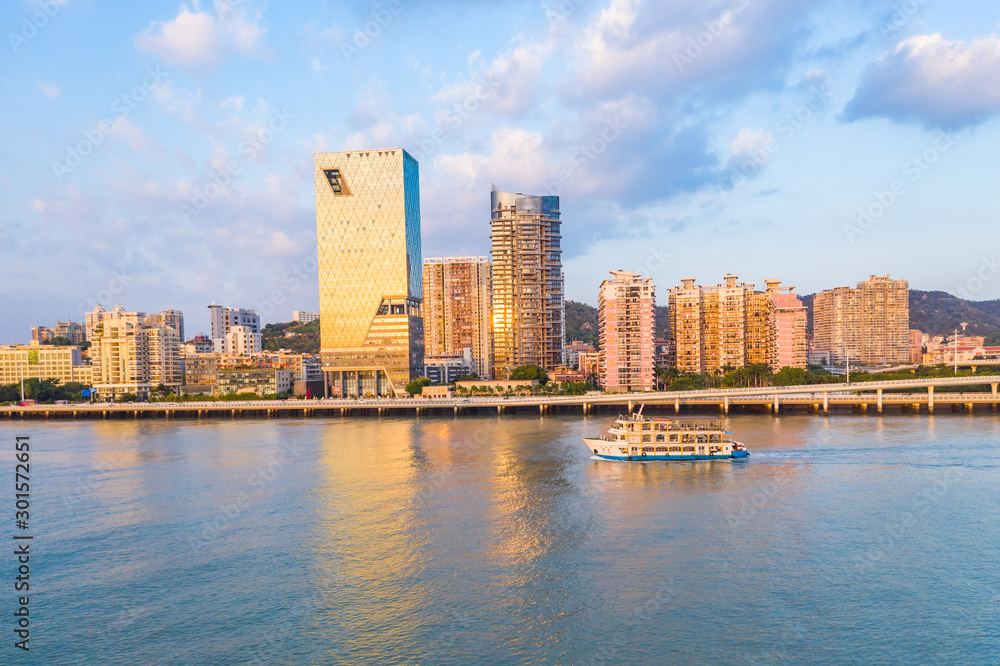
pixel 368 238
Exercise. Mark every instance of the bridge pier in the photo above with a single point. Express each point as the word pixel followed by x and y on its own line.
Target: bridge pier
pixel 916 408
pixel 677 405
pixel 930 399
pixel 826 403
pixel 725 404
pixel 776 404
pixel 968 407
pixel 631 406
pixel 878 392
pixel 994 387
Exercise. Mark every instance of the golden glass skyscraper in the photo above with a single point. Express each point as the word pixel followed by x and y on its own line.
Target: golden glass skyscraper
pixel 368 231
pixel 528 311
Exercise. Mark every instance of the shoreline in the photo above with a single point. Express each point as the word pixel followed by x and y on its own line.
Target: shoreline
pixel 913 404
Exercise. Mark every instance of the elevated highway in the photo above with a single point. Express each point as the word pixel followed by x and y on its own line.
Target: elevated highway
pixel 910 395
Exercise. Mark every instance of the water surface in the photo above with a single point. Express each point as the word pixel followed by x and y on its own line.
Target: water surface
pixel 499 540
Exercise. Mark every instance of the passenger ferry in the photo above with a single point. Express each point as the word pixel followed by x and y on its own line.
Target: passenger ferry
pixel 636 438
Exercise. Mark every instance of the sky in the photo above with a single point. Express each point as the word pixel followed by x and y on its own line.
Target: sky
pixel 158 154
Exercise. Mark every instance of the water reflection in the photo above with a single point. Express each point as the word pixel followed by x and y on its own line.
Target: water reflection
pixel 499 540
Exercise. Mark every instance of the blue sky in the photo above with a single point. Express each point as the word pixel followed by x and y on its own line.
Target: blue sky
pixel 158 154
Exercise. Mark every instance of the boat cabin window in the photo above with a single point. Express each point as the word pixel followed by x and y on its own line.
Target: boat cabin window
pixel 673 438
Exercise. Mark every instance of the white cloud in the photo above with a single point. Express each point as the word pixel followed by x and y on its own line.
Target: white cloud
pixel 49 90
pixel 932 80
pixel 507 86
pixel 749 143
pixel 199 41
pixel 138 141
pixel 684 46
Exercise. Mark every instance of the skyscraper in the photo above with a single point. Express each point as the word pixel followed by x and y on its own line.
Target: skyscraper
pixel 457 310
pixel 869 323
pixel 625 312
pixel 370 291
pixel 528 313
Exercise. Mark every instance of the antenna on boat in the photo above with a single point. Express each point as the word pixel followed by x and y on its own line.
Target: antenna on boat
pixel 639 413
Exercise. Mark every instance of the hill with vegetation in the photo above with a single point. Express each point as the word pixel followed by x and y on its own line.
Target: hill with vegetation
pixel 581 323
pixel 293 335
pixel 940 313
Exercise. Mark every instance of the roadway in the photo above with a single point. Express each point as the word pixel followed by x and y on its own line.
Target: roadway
pixel 858 394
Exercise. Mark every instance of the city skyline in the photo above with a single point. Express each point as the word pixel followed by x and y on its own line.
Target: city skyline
pixel 182 176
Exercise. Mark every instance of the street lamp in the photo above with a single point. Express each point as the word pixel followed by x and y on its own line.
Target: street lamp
pixel 954 354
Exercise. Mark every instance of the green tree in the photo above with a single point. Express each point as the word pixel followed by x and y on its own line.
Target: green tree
pixel 682 384
pixel 417 385
pixel 529 372
pixel 792 377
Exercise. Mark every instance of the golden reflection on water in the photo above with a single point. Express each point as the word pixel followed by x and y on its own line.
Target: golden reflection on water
pixel 437 509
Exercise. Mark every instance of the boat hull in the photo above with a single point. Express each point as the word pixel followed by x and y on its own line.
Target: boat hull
pixel 595 447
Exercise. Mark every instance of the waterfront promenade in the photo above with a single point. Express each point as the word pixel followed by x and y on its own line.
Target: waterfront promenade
pixel 907 395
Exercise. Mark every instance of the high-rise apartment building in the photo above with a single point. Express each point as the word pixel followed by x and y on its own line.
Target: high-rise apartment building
pixel 729 325
pixel 457 310
pixel 131 356
pixel 786 327
pixel 223 319
pixel 732 331
pixel 684 326
pixel 94 318
pixel 368 231
pixel 528 313
pixel 239 341
pixel 870 323
pixel 172 318
pixel 41 335
pixel 625 314
pixel 71 331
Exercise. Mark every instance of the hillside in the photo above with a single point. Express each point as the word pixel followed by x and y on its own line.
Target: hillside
pixel 940 313
pixel 305 338
pixel 581 323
